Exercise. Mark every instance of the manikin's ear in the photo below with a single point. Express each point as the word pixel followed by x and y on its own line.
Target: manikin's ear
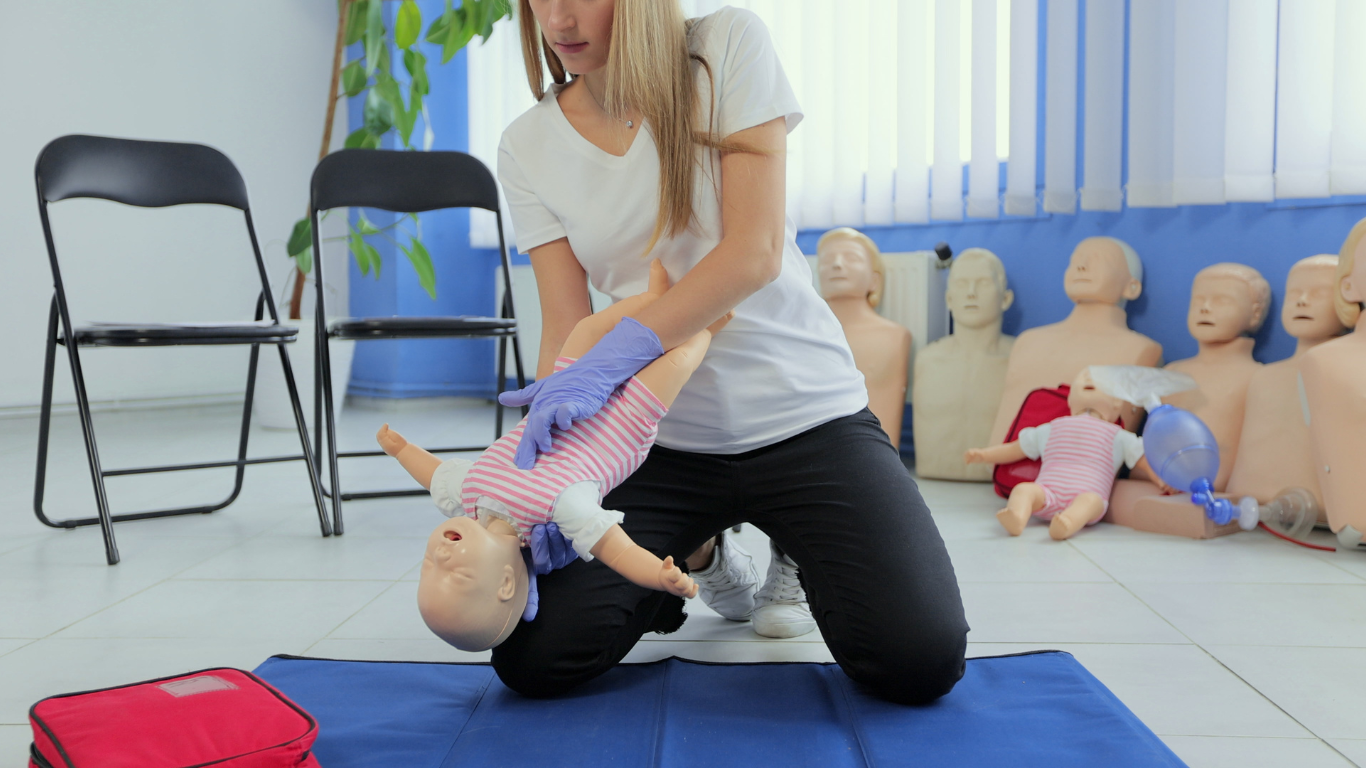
pixel 1132 290
pixel 1351 292
pixel 1007 299
pixel 507 589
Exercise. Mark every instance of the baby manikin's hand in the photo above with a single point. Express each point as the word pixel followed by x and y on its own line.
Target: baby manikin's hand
pixel 974 456
pixel 391 441
pixel 675 581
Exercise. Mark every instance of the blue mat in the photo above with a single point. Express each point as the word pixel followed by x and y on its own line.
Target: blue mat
pixel 1040 709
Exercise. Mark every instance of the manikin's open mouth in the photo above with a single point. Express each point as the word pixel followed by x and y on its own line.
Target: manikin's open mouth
pixel 452 536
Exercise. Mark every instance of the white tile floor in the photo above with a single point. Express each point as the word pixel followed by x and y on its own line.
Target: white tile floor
pixel 1242 651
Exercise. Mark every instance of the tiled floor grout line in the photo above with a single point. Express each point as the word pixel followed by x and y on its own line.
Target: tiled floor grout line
pixel 1207 652
pixel 340 624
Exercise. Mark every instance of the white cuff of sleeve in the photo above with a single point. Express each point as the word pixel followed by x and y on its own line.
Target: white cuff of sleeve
pixel 446 483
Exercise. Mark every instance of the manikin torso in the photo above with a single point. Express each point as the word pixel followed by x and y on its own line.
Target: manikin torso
pixel 959 379
pixel 1335 382
pixel 881 347
pixel 1274 450
pixel 1095 333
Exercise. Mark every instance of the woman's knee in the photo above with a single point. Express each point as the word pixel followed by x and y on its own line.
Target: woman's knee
pixel 916 672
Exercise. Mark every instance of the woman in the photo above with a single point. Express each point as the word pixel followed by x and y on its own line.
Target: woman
pixel 668 142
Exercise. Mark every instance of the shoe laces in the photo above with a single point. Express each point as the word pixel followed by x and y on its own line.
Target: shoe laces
pixel 781 584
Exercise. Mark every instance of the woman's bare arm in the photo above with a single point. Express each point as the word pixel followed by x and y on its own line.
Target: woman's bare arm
pixel 563 286
pixel 750 254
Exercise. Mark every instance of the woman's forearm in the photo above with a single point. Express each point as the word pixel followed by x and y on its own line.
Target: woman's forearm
pixel 731 273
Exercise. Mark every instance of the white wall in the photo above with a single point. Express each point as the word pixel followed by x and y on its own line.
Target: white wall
pixel 249 77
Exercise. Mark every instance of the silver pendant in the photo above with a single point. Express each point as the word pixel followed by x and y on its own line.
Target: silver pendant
pixel 630 124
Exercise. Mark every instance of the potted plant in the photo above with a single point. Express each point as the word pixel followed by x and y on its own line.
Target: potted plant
pixel 386 111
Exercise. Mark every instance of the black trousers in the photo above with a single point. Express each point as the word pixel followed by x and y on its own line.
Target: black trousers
pixel 836 499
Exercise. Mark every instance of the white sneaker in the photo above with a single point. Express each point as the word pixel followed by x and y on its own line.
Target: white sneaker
pixel 727 586
pixel 780 608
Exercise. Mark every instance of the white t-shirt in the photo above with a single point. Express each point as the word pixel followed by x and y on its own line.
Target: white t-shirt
pixel 782 365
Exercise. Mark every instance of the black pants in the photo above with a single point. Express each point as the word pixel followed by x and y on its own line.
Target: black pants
pixel 836 499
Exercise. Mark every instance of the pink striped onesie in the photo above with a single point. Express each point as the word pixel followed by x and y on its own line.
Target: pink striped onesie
pixel 603 449
pixel 1081 454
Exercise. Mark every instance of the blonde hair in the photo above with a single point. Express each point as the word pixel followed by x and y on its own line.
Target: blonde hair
pixel 874 257
pixel 1258 289
pixel 649 68
pixel 1348 311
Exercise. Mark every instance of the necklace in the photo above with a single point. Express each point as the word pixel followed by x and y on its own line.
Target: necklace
pixel 629 123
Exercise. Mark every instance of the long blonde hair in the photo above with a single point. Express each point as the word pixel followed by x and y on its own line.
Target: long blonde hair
pixel 1348 311
pixel 649 67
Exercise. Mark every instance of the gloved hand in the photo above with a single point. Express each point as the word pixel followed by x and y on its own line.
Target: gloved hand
pixel 549 550
pixel 580 390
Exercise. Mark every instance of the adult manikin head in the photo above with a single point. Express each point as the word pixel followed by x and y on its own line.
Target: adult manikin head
pixel 1308 311
pixel 977 294
pixel 1350 295
pixel 1103 270
pixel 473 586
pixel 1227 301
pixel 849 265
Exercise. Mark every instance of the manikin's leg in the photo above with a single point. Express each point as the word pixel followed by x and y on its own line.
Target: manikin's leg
pixel 1025 499
pixel 1083 509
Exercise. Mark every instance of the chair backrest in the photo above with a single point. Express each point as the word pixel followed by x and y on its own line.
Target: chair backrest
pixel 405 182
pixel 150 174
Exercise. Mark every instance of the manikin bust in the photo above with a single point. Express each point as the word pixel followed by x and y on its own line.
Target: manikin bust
pixel 1335 383
pixel 959 378
pixel 1103 274
pixel 1274 451
pixel 852 277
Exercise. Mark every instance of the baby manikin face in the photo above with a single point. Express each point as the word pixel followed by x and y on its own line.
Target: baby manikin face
pixel 1308 311
pixel 473 584
pixel 1086 396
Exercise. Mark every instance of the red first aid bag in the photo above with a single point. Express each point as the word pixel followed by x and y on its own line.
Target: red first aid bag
pixel 1040 407
pixel 220 717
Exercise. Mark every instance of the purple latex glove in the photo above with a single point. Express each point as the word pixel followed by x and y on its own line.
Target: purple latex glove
pixel 549 550
pixel 580 390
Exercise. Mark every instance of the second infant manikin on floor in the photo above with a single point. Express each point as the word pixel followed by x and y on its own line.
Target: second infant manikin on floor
pixel 475 583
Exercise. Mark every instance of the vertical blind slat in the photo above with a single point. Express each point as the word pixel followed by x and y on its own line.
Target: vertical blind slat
pixel 881 127
pixel 1021 169
pixel 1304 93
pixel 984 174
pixel 1200 88
pixel 1250 101
pixel 912 114
pixel 1060 109
pixel 946 179
pixel 1347 170
pixel 1103 118
pixel 1152 61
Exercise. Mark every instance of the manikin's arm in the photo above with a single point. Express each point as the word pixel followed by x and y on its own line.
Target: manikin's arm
pixel 419 463
pixel 997 454
pixel 636 563
pixel 1143 468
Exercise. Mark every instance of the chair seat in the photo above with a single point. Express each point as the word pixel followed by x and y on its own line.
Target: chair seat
pixel 420 327
pixel 164 335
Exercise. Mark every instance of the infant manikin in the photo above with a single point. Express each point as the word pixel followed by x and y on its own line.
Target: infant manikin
pixel 1081 455
pixel 475 579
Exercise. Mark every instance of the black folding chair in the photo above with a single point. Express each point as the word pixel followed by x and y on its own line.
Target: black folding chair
pixel 151 174
pixel 402 182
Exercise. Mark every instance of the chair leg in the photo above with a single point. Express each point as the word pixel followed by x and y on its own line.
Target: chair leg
pixel 45 418
pixel 334 476
pixel 111 549
pixel 303 440
pixel 517 361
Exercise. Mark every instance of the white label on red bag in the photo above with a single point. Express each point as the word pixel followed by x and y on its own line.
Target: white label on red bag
pixel 193 685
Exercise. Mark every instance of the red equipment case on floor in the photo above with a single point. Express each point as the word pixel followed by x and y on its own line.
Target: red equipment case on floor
pixel 1039 407
pixel 221 717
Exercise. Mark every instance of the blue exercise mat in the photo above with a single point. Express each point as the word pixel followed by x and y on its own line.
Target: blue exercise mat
pixel 1038 709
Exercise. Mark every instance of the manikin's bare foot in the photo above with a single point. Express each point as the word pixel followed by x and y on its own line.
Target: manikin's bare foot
pixel 1084 509
pixel 1014 518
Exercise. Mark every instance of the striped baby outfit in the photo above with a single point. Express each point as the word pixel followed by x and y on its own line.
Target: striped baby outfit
pixel 1081 454
pixel 604 449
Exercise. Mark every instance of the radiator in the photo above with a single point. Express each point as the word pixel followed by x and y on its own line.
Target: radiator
pixel 913 296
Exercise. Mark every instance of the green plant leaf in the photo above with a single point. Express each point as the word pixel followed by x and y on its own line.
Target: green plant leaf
pixel 304 260
pixel 300 237
pixel 436 33
pixel 356 139
pixel 458 33
pixel 353 78
pixel 355 21
pixel 402 118
pixel 422 264
pixel 374 34
pixel 366 255
pixel 366 227
pixel 378 113
pixel 408 24
pixel 416 64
